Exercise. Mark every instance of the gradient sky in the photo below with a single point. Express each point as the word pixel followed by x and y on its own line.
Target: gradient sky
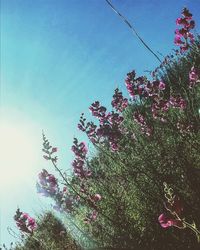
pixel 59 56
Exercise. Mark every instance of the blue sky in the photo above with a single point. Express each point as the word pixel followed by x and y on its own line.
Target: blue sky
pixel 57 57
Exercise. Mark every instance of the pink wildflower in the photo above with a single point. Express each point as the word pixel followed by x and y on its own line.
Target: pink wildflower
pixel 193 75
pixel 184 37
pixel 162 86
pixel 54 150
pixel 96 197
pixel 166 222
pixel 178 40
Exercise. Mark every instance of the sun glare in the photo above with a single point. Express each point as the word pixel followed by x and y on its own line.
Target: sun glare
pixel 18 154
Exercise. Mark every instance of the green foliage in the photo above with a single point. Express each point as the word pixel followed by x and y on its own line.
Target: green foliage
pixel 50 235
pixel 131 180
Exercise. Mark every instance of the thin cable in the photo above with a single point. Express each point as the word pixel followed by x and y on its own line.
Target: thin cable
pixel 133 29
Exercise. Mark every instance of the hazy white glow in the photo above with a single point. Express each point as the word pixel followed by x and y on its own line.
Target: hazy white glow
pixel 17 154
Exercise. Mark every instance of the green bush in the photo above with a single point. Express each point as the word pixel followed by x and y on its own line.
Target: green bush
pixel 49 235
pixel 130 180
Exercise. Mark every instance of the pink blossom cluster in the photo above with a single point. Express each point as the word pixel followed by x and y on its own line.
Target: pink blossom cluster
pixel 95 198
pixel 168 221
pixel 140 119
pixel 193 77
pixel 109 126
pixel 158 109
pixel 47 184
pixel 177 102
pixel 183 36
pixel 172 218
pixel 24 222
pixel 153 90
pixel 80 150
pixel 142 87
pixel 161 106
pixel 89 128
pixel 136 86
pixel 119 102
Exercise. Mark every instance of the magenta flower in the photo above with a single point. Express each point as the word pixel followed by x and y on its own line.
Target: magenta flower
pixel 178 40
pixel 94 215
pixel 177 102
pixel 24 222
pixel 54 150
pixel 96 197
pixel 47 184
pixel 25 215
pixel 140 120
pixel 191 37
pixel 166 222
pixel 32 224
pixel 181 21
pixel 184 48
pixel 162 86
pixel 80 150
pixel 119 102
pixel 184 37
pixel 193 76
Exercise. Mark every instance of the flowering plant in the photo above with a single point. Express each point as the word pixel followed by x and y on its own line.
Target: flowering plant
pixel 175 209
pixel 183 36
pixel 25 222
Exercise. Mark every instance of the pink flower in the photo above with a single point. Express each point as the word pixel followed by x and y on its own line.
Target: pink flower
pixel 83 147
pixel 184 48
pixel 178 40
pixel 31 223
pixel 94 215
pixel 25 215
pixel 54 150
pixel 24 222
pixel 181 21
pixel 166 222
pixel 191 37
pixel 161 85
pixel 187 24
pixel 96 197
pixel 193 75
pixel 119 102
